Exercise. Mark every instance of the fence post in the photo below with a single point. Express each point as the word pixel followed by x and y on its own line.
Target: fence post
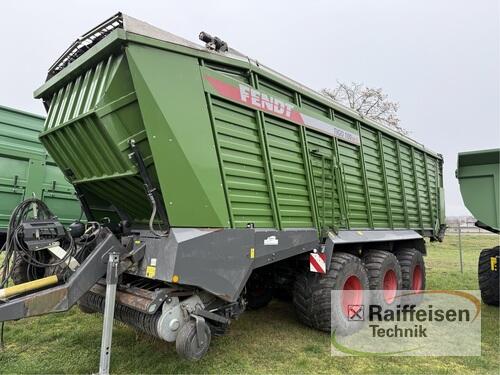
pixel 460 246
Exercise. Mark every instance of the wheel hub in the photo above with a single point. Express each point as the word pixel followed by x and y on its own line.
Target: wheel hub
pixel 352 296
pixel 417 279
pixel 390 285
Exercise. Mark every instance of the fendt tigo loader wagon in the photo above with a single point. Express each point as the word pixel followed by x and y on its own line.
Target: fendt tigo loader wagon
pixel 214 182
pixel 478 173
pixel 26 170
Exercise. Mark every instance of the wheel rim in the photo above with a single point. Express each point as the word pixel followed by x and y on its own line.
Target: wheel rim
pixel 417 280
pixel 197 350
pixel 192 349
pixel 390 286
pixel 352 294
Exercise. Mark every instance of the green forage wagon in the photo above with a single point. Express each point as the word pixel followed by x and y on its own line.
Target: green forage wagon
pixel 219 183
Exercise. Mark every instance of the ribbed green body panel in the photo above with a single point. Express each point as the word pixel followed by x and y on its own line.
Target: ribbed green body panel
pixel 26 170
pixel 289 174
pixel 231 145
pixel 375 179
pixel 240 150
pixel 87 129
pixel 325 176
pixel 395 186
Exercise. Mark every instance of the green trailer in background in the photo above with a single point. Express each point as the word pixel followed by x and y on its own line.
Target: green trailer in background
pixel 479 176
pixel 26 169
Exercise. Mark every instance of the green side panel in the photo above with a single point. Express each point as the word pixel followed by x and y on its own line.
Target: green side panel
pixel 315 107
pixel 409 186
pixel 59 194
pixel 276 90
pixel 394 182
pixel 354 185
pixel 442 213
pixel 322 158
pixel 345 185
pixel 85 142
pixel 13 178
pixel 374 176
pixel 479 176
pixel 27 171
pixel 83 94
pixel 243 165
pixel 287 162
pixel 432 168
pixel 19 131
pixel 423 190
pixel 233 72
pixel 175 113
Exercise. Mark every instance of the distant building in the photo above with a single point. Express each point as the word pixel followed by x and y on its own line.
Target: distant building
pixel 466 223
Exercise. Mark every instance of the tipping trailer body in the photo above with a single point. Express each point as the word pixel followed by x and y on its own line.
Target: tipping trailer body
pixel 26 169
pixel 253 168
pixel 478 173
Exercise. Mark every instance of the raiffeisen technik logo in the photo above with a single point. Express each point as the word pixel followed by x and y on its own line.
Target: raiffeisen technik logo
pixel 428 323
pixel 410 313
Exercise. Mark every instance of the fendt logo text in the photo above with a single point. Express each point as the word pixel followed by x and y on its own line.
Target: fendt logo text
pixel 266 102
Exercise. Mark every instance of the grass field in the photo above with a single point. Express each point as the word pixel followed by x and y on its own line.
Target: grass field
pixel 269 340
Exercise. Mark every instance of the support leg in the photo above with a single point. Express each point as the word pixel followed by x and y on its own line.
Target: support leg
pixel 109 312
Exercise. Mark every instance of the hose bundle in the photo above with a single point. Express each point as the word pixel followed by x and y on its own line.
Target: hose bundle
pixel 16 250
pixel 17 253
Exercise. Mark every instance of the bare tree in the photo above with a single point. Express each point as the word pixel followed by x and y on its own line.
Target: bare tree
pixel 369 102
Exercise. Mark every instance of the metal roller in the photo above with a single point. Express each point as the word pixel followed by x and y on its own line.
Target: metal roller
pixel 146 323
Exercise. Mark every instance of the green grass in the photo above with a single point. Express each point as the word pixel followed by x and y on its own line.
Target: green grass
pixel 269 340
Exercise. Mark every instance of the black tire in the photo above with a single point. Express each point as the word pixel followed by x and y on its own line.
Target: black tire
pixel 384 276
pixel 258 298
pixel 186 342
pixel 312 295
pixel 22 272
pixel 413 275
pixel 488 278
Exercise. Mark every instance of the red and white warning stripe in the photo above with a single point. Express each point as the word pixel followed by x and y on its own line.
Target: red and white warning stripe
pixel 317 262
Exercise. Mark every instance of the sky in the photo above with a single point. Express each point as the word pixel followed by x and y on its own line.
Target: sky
pixel 439 59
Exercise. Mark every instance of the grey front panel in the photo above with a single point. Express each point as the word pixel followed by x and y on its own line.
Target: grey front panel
pixel 219 261
pixel 272 246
